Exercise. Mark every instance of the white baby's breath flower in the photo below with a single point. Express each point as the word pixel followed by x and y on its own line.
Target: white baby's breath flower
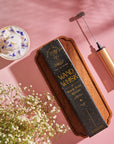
pixel 60 130
pixel 38 119
pixel 47 120
pixel 54 108
pixel 53 121
pixel 7 140
pixel 51 124
pixel 36 102
pixel 48 97
pixel 63 125
pixel 30 86
pixel 48 93
pixel 4 135
pixel 30 119
pixel 31 142
pixel 50 134
pixel 45 103
pixel 57 125
pixel 10 135
pixel 19 139
pixel 33 107
pixel 51 105
pixel 39 114
pixel 20 84
pixel 29 103
pixel 54 116
pixel 58 110
pixel 25 88
pixel 13 127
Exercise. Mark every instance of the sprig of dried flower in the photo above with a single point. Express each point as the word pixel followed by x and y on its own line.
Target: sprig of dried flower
pixel 27 119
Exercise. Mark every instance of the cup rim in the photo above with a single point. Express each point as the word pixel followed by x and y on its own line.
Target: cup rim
pixel 5 56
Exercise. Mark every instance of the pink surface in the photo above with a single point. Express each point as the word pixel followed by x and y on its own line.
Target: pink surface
pixel 44 20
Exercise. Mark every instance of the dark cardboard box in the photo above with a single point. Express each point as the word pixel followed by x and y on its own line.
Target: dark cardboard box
pixel 100 110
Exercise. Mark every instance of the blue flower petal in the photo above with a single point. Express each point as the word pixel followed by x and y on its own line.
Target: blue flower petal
pixel 4 41
pixel 19 52
pixel 14 55
pixel 12 36
pixel 10 45
pixel 18 31
pixel 21 33
pixel 12 30
pixel 23 45
pixel 3 31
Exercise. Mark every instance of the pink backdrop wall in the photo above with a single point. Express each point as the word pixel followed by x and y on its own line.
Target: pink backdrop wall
pixel 44 20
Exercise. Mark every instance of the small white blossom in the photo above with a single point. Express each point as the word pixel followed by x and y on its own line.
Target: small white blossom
pixel 51 105
pixel 30 86
pixel 30 118
pixel 19 139
pixel 25 88
pixel 53 121
pixel 48 97
pixel 40 94
pixel 54 116
pixel 45 103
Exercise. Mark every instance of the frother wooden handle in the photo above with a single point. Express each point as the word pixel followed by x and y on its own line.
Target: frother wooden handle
pixel 107 60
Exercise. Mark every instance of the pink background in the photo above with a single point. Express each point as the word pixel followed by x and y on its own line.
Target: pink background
pixel 44 20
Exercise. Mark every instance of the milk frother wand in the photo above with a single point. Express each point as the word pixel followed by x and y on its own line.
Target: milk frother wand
pixel 102 52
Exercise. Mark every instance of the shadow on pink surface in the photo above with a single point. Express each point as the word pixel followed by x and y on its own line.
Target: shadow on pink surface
pixel 101 71
pixel 27 73
pixel 68 138
pixel 4 63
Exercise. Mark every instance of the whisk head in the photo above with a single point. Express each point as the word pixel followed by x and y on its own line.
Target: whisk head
pixel 79 15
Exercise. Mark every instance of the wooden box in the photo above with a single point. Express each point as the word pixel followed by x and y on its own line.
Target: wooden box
pixel 88 80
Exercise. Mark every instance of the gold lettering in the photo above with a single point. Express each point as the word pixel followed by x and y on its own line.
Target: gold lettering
pixel 62 76
pixel 97 129
pixel 77 96
pixel 77 86
pixel 63 83
pixel 53 52
pixel 66 74
pixel 69 80
pixel 72 78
